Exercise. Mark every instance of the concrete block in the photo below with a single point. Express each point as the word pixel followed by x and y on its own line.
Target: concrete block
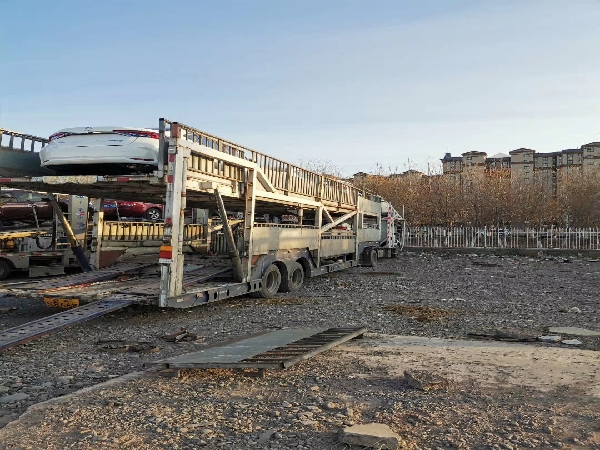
pixel 372 435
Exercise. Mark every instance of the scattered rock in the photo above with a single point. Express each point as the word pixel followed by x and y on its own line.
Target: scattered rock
pixel 574 310
pixel 65 379
pixel 143 347
pixel 182 336
pixel 19 396
pixel 113 346
pixel 550 338
pixel 424 381
pixel 266 436
pixel 372 435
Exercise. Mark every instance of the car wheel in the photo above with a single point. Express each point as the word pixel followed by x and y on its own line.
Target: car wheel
pixel 295 279
pixel 271 281
pixel 154 214
pixel 4 270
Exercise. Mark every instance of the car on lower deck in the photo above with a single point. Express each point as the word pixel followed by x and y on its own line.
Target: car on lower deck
pixel 117 209
pixel 102 150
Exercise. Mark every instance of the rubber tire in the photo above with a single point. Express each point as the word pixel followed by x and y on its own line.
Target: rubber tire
pixel 271 281
pixel 153 214
pixel 294 280
pixel 370 257
pixel 4 270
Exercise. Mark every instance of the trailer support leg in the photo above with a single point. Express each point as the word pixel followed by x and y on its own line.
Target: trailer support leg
pixel 249 207
pixel 98 225
pixel 76 247
pixel 234 254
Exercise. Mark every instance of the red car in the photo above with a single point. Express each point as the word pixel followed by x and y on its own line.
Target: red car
pixel 116 209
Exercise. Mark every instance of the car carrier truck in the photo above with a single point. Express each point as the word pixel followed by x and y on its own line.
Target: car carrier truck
pixel 335 226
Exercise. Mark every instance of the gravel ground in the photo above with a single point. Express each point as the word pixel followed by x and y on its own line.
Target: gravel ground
pixel 416 294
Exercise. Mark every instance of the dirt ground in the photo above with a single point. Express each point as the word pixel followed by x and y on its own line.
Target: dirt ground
pixel 422 312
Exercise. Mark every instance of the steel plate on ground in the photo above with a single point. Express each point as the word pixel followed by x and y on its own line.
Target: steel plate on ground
pixel 275 350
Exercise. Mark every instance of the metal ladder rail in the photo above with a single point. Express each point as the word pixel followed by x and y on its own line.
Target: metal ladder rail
pixel 286 177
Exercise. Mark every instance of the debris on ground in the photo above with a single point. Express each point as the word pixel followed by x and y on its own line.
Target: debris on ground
pixel 484 264
pixel 113 346
pixel 550 338
pixel 7 309
pixel 143 347
pixel 420 313
pixel 503 336
pixel 425 381
pixel 122 346
pixel 182 336
pixel 574 342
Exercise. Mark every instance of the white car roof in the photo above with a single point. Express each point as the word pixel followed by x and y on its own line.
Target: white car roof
pixel 102 128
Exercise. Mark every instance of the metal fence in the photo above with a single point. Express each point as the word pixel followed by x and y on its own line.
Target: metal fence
pixel 472 237
pixel 136 231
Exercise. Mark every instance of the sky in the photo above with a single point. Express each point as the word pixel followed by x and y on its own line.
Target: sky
pixel 362 84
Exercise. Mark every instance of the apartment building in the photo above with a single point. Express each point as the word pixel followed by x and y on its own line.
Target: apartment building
pixel 525 163
pixel 590 157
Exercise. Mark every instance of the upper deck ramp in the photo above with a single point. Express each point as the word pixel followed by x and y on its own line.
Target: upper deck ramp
pixel 210 161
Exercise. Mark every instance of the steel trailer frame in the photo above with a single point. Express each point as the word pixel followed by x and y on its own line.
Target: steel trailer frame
pixel 195 170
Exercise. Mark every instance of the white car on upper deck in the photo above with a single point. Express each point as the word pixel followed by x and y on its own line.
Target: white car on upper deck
pixel 101 150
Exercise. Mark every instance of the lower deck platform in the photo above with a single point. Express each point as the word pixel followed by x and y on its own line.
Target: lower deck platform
pixel 137 282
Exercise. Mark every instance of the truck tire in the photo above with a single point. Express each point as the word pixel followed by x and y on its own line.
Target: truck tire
pixel 4 270
pixel 294 280
pixel 271 281
pixel 370 257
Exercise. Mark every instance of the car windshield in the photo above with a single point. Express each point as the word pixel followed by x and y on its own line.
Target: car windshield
pixel 5 198
pixel 25 196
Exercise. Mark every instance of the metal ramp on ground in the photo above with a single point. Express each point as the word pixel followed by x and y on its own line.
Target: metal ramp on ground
pixel 270 350
pixel 50 324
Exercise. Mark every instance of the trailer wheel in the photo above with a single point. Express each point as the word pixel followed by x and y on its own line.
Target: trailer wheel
pixel 370 257
pixel 4 270
pixel 271 281
pixel 295 279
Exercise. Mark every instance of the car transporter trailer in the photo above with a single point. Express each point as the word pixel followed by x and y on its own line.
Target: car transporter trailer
pixel 338 226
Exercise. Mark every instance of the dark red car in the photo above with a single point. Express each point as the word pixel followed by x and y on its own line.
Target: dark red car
pixel 116 209
pixel 25 206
